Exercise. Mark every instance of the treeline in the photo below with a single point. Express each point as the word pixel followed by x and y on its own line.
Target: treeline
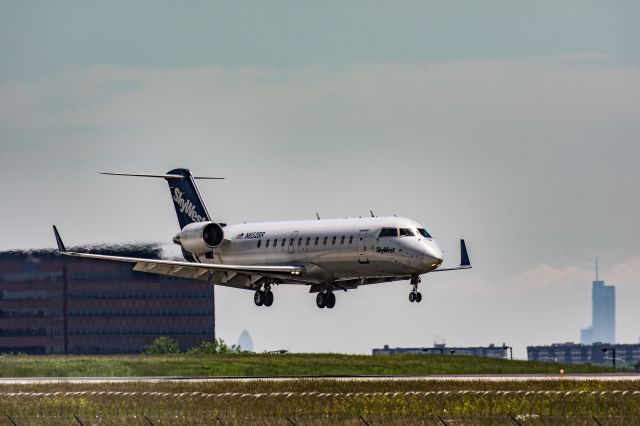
pixel 165 345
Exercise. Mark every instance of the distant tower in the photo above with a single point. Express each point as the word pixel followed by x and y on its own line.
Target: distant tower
pixel 245 341
pixel 603 314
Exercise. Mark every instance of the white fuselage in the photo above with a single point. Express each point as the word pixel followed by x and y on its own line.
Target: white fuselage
pixel 332 249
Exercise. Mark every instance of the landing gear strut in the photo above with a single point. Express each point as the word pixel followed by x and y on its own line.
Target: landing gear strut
pixel 326 299
pixel 264 297
pixel 415 295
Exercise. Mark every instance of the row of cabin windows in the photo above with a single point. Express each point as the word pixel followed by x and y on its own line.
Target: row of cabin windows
pixel 334 239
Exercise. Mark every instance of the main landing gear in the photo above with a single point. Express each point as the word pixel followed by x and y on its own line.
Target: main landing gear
pixel 415 295
pixel 326 299
pixel 264 297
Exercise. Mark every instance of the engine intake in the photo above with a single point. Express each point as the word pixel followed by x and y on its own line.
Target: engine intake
pixel 200 237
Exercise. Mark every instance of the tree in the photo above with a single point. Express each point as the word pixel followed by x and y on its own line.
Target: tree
pixel 216 346
pixel 161 346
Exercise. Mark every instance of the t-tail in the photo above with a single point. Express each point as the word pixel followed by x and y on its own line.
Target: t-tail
pixel 186 198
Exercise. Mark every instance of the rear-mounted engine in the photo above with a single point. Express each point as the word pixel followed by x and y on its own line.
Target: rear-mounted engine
pixel 200 237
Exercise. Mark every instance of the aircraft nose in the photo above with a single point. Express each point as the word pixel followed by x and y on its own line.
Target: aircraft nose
pixel 432 255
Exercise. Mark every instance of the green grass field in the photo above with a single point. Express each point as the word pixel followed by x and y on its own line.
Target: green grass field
pixel 323 401
pixel 307 401
pixel 256 365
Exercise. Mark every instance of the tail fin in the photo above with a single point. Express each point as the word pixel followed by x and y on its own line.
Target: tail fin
pixel 186 198
pixel 184 193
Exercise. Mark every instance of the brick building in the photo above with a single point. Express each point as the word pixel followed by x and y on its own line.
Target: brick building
pixel 53 304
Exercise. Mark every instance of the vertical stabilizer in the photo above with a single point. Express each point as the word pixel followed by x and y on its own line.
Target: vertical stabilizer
pixel 186 198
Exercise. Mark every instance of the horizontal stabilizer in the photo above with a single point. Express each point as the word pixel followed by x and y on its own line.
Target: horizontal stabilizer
pixel 165 176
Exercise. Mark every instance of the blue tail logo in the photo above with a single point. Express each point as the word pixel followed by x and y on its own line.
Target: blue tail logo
pixel 186 198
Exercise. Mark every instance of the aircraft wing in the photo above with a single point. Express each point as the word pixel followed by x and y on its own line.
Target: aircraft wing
pixel 240 276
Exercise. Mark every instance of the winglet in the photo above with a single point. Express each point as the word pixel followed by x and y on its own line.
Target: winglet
pixel 464 256
pixel 61 247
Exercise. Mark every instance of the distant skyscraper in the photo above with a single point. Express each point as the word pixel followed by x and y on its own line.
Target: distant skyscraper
pixel 245 341
pixel 604 313
pixel 586 336
pixel 603 316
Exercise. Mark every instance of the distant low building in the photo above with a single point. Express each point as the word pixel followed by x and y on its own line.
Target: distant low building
pixel 54 304
pixel 490 351
pixel 576 353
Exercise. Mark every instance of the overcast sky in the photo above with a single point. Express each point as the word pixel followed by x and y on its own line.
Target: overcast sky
pixel 512 124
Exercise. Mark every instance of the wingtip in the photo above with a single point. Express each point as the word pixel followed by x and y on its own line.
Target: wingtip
pixel 464 256
pixel 61 247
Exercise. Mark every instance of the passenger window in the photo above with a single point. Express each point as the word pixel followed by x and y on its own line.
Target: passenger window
pixel 308 239
pixel 333 241
pixel 259 242
pixel 342 240
pixel 350 239
pixel 275 242
pixel 299 242
pixel 284 241
pixel 325 241
pixel 267 245
pixel 406 232
pixel 291 242
pixel 317 239
pixel 388 232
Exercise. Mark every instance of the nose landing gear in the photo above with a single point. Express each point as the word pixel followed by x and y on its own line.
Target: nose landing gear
pixel 415 295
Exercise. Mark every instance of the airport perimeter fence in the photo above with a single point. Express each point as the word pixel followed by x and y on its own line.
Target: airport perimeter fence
pixel 314 408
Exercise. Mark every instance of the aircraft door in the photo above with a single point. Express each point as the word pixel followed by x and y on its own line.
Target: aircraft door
pixel 361 247
pixel 292 241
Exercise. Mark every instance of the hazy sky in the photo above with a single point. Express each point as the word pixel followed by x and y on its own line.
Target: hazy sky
pixel 512 124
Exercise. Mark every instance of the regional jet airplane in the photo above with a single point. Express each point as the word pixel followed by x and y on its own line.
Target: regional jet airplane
pixel 326 255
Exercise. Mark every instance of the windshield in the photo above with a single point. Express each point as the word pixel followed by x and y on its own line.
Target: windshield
pixel 388 232
pixel 424 233
pixel 406 232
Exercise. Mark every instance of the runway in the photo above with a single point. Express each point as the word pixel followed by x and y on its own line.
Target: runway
pixel 619 377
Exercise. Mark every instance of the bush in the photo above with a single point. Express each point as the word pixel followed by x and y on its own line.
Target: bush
pixel 161 346
pixel 217 346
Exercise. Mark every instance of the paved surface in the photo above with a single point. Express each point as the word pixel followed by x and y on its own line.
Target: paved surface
pixel 459 378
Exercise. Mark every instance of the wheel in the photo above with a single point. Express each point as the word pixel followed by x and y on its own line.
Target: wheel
pixel 412 297
pixel 418 297
pixel 268 298
pixel 321 300
pixel 330 300
pixel 258 298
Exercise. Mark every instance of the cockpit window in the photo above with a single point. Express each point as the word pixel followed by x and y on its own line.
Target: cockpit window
pixel 388 232
pixel 424 233
pixel 406 232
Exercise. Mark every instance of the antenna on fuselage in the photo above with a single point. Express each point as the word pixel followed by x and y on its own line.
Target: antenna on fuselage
pixel 317 215
pixel 372 215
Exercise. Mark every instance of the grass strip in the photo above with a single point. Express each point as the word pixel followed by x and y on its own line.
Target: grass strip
pixel 259 365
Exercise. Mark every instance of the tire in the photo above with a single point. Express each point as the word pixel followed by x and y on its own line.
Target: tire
pixel 330 300
pixel 258 298
pixel 418 297
pixel 268 298
pixel 412 297
pixel 321 300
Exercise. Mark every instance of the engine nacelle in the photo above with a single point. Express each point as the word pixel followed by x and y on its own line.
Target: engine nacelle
pixel 200 237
